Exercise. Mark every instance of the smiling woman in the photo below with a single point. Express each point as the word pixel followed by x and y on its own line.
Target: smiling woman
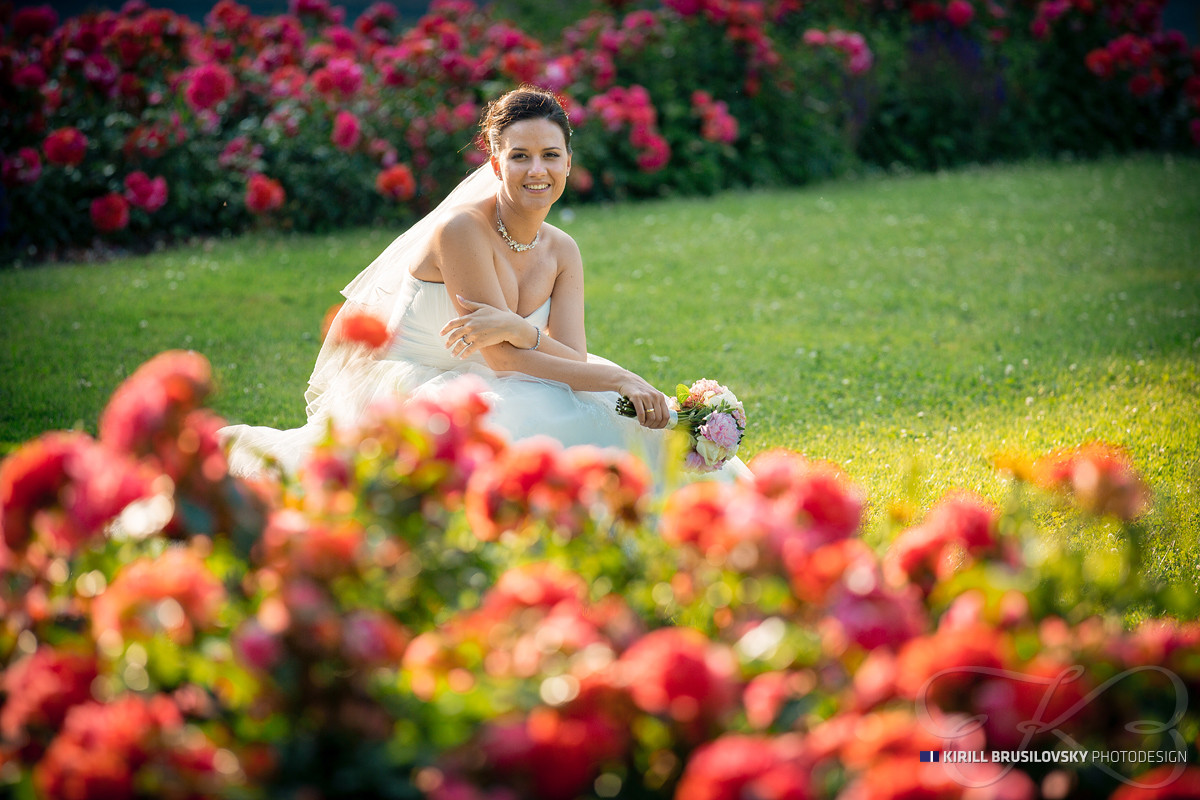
pixel 483 289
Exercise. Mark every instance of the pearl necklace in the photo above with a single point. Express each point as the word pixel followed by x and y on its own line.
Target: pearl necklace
pixel 513 243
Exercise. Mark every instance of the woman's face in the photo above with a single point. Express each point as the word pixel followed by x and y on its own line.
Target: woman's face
pixel 532 162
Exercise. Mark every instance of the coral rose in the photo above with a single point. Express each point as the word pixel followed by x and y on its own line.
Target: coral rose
pixel 359 327
pixel 396 182
pixel 1099 476
pixel 263 194
pixel 65 147
pixel 175 593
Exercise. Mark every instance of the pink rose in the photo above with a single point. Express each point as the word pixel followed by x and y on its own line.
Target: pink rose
pixel 722 431
pixel 960 13
pixel 208 85
pixel 148 194
pixel 346 131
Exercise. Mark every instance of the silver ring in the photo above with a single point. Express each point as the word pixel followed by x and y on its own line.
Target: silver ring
pixel 463 339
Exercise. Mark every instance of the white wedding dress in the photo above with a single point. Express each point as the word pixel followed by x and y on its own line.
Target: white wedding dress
pixel 348 380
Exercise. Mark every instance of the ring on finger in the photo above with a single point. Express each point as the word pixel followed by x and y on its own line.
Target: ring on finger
pixel 463 339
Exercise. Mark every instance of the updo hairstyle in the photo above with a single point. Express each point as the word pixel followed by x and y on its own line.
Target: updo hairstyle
pixel 527 102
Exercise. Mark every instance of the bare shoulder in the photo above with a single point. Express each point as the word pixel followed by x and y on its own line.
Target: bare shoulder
pixel 566 251
pixel 465 224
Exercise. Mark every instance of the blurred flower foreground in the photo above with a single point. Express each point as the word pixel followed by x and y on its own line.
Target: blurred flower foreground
pixel 426 611
pixel 132 128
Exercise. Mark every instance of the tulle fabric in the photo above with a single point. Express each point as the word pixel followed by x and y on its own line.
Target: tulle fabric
pixel 347 380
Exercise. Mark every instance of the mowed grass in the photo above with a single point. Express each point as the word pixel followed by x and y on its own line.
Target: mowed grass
pixel 906 327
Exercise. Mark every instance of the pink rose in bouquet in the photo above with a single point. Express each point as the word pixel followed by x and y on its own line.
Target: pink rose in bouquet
pixel 712 417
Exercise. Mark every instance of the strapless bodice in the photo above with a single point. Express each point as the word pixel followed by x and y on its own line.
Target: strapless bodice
pixel 420 313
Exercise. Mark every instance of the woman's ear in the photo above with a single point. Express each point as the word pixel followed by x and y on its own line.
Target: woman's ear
pixel 495 165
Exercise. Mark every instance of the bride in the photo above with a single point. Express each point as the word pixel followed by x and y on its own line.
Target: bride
pixel 482 286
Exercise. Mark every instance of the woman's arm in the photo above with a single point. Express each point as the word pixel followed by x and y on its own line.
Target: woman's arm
pixel 564 335
pixel 484 326
pixel 465 259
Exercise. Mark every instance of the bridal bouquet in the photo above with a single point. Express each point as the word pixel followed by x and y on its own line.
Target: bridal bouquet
pixel 712 417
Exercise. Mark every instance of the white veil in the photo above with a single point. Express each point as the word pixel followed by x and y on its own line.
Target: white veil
pixel 376 288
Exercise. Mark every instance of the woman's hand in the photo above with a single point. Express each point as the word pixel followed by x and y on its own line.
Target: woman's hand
pixel 650 403
pixel 483 326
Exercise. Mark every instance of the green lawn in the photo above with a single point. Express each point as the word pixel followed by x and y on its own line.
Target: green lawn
pixel 904 327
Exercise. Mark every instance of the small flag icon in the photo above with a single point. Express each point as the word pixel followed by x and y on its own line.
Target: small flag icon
pixel 931 756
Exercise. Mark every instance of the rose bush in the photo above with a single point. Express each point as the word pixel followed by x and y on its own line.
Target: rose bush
pixel 425 610
pixel 366 122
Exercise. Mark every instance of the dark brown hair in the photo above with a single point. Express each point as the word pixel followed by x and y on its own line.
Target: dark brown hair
pixel 526 102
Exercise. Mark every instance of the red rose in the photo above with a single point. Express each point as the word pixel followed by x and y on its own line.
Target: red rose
pixel 1100 63
pixel 208 85
pixel 960 13
pixel 146 193
pixel 341 76
pixel 23 168
pixel 524 483
pixel 925 12
pixel 110 213
pixel 396 182
pixel 104 746
pixel 819 503
pixel 346 131
pixel 263 194
pixel 955 655
pixel 65 147
pixel 36 21
pixel 100 71
pixel 150 407
pixel 40 690
pixel 736 766
pixel 1142 84
pixel 870 614
pixel 557 753
pixel 680 673
pixel 66 487
pixel 30 76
